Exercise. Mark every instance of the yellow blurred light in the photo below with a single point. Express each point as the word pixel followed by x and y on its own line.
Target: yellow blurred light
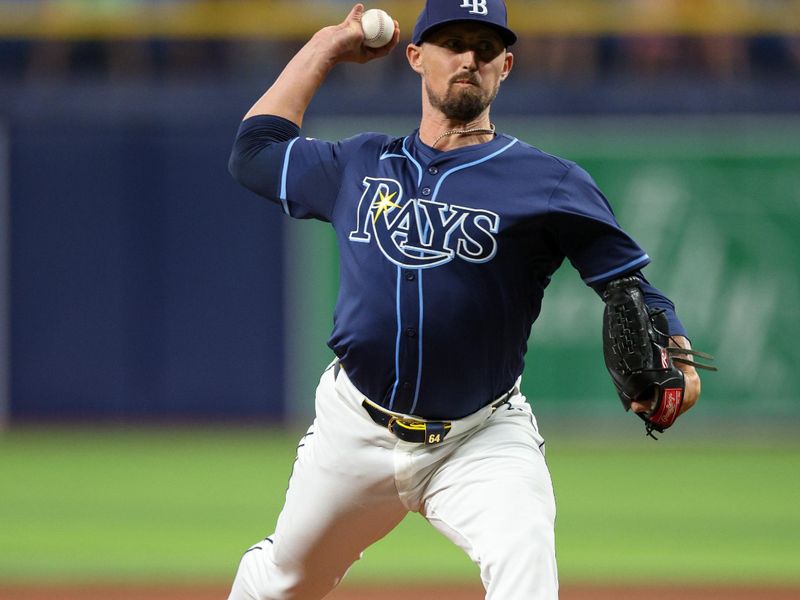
pixel 289 19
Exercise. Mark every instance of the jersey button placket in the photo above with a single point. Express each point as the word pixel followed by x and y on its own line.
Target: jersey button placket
pixel 408 340
pixel 409 346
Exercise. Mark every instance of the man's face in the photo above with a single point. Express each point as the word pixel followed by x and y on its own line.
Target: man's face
pixel 462 66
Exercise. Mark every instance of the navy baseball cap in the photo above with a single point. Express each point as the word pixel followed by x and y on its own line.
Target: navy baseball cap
pixel 441 12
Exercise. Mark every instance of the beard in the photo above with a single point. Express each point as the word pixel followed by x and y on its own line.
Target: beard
pixel 462 105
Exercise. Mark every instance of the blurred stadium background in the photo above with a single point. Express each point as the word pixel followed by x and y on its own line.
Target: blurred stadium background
pixel 161 329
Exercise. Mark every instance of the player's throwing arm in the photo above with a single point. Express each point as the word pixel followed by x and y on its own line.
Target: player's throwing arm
pixel 292 92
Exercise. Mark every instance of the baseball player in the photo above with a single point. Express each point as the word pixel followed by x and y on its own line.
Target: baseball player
pixel 448 238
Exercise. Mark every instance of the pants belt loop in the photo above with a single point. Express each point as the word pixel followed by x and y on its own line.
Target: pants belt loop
pixel 502 399
pixel 434 433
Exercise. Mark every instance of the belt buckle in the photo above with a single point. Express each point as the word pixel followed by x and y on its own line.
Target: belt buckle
pixel 409 427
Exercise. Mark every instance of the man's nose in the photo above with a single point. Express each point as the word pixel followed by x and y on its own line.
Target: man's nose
pixel 469 60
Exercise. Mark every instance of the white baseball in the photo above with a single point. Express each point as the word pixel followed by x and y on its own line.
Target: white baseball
pixel 378 28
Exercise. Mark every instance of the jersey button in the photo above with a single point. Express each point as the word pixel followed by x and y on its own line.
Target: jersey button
pixel 433 171
pixel 406 385
pixel 426 191
pixel 411 332
pixel 410 276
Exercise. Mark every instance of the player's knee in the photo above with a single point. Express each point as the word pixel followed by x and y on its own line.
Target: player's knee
pixel 527 537
pixel 259 578
pixel 246 580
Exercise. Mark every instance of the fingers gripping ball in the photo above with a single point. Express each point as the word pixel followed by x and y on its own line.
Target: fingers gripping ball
pixel 378 28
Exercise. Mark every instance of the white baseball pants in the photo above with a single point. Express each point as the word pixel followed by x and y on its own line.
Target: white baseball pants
pixel 486 487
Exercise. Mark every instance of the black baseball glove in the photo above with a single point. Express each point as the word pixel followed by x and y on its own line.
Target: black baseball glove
pixel 639 357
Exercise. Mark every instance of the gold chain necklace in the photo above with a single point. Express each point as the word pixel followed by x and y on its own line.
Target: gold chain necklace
pixel 464 132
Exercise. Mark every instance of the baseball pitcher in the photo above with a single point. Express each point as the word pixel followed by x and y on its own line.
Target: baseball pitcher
pixel 447 238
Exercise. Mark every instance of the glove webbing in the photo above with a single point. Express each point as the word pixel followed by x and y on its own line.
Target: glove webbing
pixel 677 350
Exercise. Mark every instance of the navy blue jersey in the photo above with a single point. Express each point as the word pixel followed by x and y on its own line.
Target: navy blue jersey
pixel 444 255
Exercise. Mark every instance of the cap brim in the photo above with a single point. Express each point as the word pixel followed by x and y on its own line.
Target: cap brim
pixel 509 37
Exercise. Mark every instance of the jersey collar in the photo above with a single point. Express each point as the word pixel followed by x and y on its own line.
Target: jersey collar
pixel 427 155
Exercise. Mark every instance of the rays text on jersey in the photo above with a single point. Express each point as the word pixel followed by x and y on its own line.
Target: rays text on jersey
pixel 417 233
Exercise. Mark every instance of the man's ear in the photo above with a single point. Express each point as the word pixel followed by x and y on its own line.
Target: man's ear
pixel 507 66
pixel 414 56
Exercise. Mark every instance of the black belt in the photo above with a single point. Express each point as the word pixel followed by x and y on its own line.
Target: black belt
pixel 409 430
pixel 417 431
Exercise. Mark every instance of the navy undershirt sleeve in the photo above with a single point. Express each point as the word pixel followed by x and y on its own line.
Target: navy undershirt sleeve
pixel 303 175
pixel 258 132
pixel 258 153
pixel 654 298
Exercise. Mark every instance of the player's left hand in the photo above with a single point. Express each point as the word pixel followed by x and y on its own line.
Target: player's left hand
pixel 653 371
pixel 691 379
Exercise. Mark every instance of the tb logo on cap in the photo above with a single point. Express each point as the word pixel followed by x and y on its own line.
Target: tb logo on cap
pixel 478 7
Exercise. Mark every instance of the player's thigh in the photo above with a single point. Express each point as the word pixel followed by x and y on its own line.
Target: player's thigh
pixel 336 506
pixel 494 498
pixel 328 519
pixel 341 498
